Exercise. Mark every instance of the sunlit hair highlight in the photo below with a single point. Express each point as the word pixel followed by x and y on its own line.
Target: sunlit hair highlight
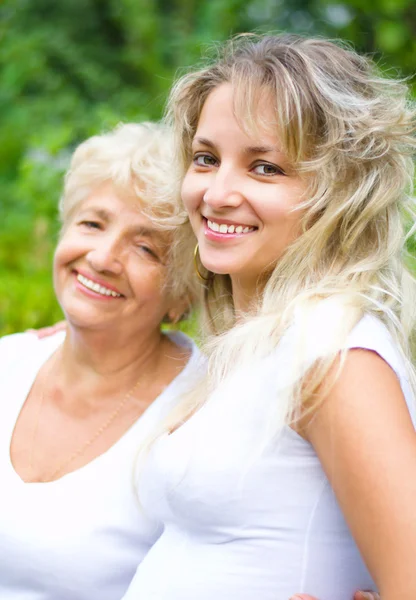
pixel 137 159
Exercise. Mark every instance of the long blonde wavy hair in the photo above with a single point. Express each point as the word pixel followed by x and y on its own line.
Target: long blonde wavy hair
pixel 350 132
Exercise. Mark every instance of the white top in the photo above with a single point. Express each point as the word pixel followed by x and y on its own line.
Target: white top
pixel 246 521
pixel 80 537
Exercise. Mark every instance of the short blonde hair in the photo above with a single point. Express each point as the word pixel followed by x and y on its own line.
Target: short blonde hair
pixel 137 160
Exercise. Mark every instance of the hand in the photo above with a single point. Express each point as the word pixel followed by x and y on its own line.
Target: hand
pixel 357 596
pixel 48 331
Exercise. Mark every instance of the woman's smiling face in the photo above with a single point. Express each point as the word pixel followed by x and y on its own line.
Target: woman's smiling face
pixel 240 192
pixel 109 266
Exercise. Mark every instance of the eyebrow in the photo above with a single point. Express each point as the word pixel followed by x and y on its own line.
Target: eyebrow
pixel 203 142
pixel 99 212
pixel 260 149
pixel 249 150
pixel 106 217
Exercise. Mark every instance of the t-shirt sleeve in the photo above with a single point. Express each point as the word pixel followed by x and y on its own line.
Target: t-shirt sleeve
pixel 371 334
pixel 15 347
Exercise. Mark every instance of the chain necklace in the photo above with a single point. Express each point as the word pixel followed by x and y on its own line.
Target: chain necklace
pixel 85 445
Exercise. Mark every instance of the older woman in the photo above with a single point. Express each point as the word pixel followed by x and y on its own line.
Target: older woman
pixel 75 407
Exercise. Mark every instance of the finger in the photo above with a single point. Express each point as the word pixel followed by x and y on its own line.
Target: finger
pixel 48 331
pixel 45 332
pixel 302 597
pixel 59 326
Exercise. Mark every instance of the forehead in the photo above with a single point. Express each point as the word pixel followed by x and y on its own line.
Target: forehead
pixel 227 109
pixel 107 201
pixel 110 206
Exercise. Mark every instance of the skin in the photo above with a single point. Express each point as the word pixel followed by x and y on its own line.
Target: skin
pixel 113 343
pixel 362 431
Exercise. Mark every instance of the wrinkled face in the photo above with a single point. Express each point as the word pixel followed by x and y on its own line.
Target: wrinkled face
pixel 109 266
pixel 240 191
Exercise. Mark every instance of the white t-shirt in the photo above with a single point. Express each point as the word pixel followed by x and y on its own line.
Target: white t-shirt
pixel 80 537
pixel 242 520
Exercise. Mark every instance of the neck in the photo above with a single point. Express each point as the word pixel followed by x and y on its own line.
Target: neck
pixel 246 294
pixel 99 361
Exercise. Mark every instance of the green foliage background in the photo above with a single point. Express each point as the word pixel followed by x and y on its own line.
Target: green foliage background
pixel 71 69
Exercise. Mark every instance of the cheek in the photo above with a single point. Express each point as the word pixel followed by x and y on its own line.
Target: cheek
pixel 147 280
pixel 192 192
pixel 59 256
pixel 278 209
pixel 60 259
pixel 67 251
pixel 274 212
pixel 64 253
pixel 151 297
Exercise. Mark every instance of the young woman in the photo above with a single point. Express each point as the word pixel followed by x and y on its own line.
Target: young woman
pixel 292 465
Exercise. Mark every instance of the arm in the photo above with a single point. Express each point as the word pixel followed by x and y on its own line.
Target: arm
pixel 366 442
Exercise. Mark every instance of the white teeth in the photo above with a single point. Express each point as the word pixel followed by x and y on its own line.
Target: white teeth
pixel 223 228
pixel 91 285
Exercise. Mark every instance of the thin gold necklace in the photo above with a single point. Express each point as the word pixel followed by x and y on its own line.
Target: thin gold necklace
pixel 85 445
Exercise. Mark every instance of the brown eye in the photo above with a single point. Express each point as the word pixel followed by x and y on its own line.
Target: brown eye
pixel 268 169
pixel 204 160
pixel 90 224
pixel 147 251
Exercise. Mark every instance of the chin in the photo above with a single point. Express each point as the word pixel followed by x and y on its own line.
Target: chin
pixel 222 268
pixel 82 317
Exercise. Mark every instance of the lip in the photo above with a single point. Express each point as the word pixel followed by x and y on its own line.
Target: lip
pixel 225 222
pixel 216 236
pixel 100 282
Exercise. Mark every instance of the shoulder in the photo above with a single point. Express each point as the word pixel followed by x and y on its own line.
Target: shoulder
pixel 384 353
pixel 12 345
pixel 373 374
pixel 22 346
pixel 196 358
pixel 371 333
pixel 368 391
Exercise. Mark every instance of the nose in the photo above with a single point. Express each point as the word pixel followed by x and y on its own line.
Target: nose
pixel 223 190
pixel 106 256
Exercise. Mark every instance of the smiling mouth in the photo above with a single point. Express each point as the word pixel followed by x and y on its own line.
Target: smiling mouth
pixel 96 287
pixel 224 228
